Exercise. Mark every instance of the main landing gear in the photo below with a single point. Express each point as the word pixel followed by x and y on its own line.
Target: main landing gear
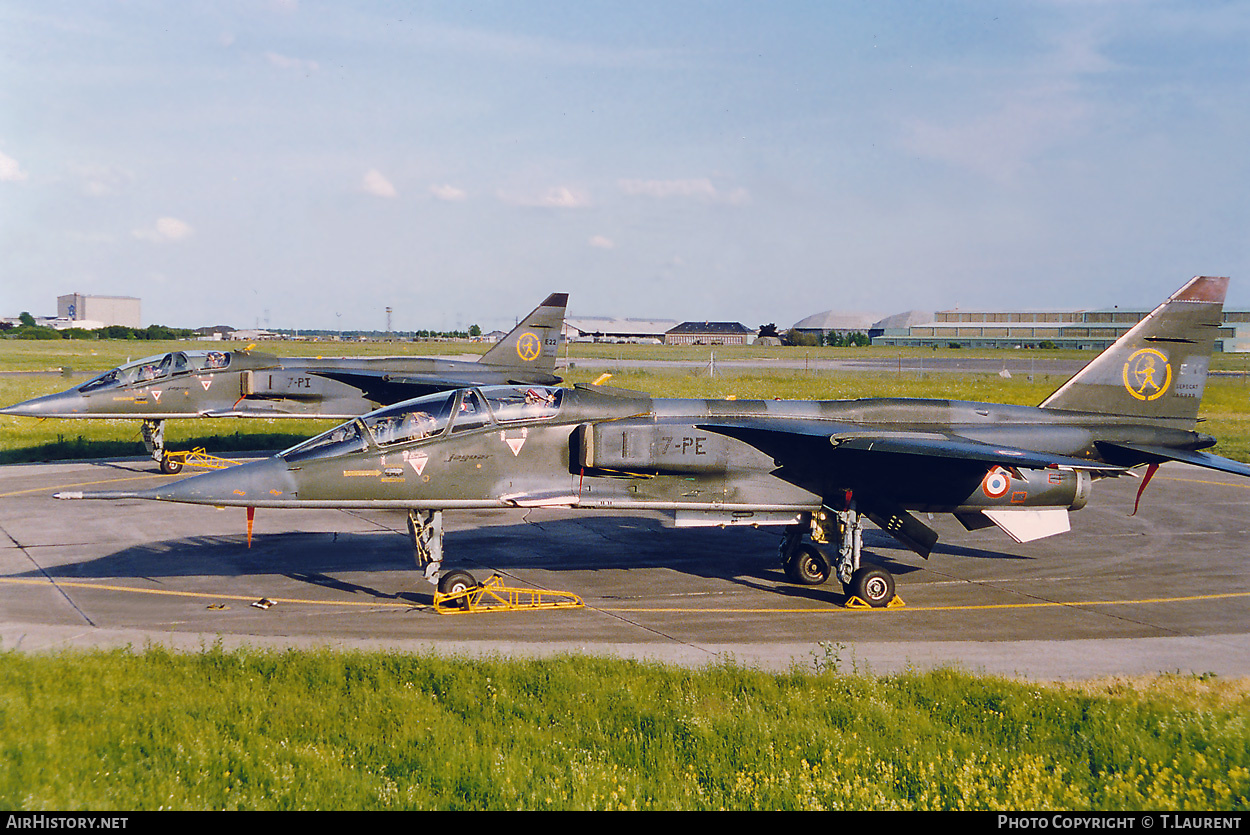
pixel 154 440
pixel 806 565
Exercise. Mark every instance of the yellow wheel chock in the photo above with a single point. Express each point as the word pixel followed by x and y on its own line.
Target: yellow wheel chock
pixel 494 596
pixel 857 602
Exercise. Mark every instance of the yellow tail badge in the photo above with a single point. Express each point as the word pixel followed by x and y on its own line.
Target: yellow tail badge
pixel 1147 374
pixel 528 347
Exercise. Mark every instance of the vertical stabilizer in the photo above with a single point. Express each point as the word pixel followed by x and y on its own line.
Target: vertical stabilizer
pixel 533 344
pixel 1158 369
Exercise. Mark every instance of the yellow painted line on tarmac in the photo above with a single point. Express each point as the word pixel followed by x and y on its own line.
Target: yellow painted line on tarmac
pixel 1242 485
pixel 829 610
pixel 22 581
pixel 958 608
pixel 82 484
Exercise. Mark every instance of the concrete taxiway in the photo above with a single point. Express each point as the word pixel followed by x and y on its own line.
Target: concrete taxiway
pixel 1167 590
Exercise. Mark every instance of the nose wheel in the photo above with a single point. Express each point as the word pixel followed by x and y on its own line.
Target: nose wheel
pixel 454 582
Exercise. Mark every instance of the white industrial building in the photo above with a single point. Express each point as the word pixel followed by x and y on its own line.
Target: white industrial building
pixel 99 311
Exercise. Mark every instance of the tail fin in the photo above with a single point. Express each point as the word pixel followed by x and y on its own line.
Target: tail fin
pixel 532 345
pixel 1158 369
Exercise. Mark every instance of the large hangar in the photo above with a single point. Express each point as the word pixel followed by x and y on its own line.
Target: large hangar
pixel 106 310
pixel 1090 330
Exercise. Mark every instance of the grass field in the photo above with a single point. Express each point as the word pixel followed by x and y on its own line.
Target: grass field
pixel 341 730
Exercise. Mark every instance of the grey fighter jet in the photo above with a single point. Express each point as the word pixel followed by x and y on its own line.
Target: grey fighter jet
pixel 815 469
pixel 209 383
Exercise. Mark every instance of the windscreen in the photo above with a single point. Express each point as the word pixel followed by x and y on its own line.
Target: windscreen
pixel 159 367
pixel 342 439
pixel 411 420
pixel 512 403
pixel 131 372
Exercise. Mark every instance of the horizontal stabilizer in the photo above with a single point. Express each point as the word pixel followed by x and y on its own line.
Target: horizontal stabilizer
pixel 1027 525
pixel 1146 454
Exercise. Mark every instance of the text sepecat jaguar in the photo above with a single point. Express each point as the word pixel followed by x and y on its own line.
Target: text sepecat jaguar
pixel 816 469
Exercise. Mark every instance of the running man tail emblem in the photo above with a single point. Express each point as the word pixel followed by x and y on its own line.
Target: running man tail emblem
pixel 528 347
pixel 1147 374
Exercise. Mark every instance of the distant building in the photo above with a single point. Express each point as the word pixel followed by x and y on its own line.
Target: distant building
pixel 1092 330
pixel 253 335
pixel 99 310
pixel 214 332
pixel 609 329
pixel 836 322
pixel 57 323
pixel 709 333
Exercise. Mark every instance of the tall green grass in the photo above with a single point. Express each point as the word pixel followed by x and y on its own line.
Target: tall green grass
pixel 346 730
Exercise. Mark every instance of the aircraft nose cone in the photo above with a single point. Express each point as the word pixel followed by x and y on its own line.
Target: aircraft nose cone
pixel 257 484
pixel 64 404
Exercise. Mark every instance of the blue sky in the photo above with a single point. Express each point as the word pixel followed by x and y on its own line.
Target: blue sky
pixel 308 164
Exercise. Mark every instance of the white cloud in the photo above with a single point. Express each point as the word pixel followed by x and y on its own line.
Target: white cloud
pixel 696 189
pixel 165 229
pixel 449 193
pixel 10 171
pixel 374 183
pixel 669 188
pixel 286 62
pixel 600 242
pixel 556 197
pixel 1003 143
pixel 101 180
pixel 1054 99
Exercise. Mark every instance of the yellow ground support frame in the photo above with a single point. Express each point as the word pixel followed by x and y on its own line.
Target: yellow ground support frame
pixel 198 457
pixel 494 596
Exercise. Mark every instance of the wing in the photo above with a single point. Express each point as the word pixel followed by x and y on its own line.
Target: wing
pixel 885 469
pixel 784 439
pixel 387 388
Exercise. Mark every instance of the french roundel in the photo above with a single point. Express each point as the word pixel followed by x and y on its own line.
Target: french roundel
pixel 996 483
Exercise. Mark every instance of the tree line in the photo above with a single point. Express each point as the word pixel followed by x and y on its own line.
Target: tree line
pixel 30 329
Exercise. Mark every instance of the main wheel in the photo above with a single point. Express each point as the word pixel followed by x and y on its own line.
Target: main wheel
pixel 456 581
pixel 169 466
pixel 873 585
pixel 808 566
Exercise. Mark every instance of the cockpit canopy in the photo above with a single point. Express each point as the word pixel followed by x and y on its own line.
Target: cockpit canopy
pixel 159 367
pixel 433 416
